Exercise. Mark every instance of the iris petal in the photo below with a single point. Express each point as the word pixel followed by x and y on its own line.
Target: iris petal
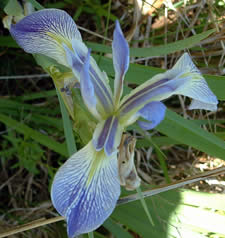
pixel 195 104
pixel 154 113
pixel 87 88
pixel 73 61
pixel 99 79
pixel 85 189
pixel 184 78
pixel 129 112
pixel 44 32
pixel 76 59
pixel 188 81
pixel 120 50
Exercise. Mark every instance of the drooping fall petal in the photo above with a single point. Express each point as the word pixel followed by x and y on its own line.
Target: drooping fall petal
pixel 45 32
pixel 184 78
pixel 85 189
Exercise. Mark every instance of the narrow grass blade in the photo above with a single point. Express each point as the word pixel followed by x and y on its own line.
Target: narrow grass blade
pixel 162 157
pixel 46 120
pixel 106 28
pixel 157 50
pixel 187 132
pixel 144 205
pixel 91 235
pixel 171 47
pixel 31 225
pixel 36 4
pixel 174 185
pixel 68 130
pixel 160 154
pixel 32 96
pixel 158 140
pixel 138 74
pixel 13 104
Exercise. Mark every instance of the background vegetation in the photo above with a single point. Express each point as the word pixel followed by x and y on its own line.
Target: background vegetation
pixel 186 143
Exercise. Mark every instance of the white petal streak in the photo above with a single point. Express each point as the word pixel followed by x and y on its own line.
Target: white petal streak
pixel 85 189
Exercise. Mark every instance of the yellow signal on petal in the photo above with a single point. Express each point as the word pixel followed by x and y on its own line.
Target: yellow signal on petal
pixel 60 40
pixel 97 163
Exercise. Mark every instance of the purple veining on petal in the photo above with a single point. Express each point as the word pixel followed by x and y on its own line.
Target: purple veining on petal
pixel 98 199
pixel 120 50
pixel 32 32
pixel 144 90
pixel 99 86
pixel 101 96
pixel 121 56
pixel 76 60
pixel 103 135
pixel 144 98
pixel 87 88
pixel 110 143
pixel 58 190
pixel 86 206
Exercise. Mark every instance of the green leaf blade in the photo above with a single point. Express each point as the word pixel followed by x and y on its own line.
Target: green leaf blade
pixel 35 135
pixel 190 134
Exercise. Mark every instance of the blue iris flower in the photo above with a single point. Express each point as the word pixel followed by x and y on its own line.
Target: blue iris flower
pixel 86 187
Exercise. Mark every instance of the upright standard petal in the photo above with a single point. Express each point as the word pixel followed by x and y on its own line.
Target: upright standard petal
pixel 120 50
pixel 45 31
pixel 153 113
pixel 76 60
pixel 87 89
pixel 85 190
pixel 184 78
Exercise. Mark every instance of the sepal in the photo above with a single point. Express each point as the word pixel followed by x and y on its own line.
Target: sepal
pixel 85 189
pixel 44 32
pixel 184 79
